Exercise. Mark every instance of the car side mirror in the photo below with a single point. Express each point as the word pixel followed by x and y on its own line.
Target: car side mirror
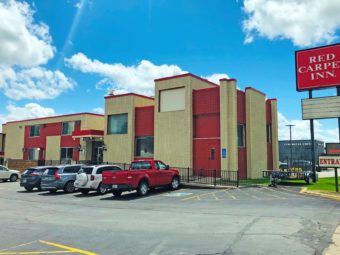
pixel 167 167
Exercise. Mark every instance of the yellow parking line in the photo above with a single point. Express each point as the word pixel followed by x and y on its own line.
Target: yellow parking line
pixel 71 249
pixel 202 195
pixel 242 191
pixel 277 192
pixel 233 197
pixel 34 252
pixel 270 194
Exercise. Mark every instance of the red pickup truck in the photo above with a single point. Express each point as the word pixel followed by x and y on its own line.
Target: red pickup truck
pixel 142 175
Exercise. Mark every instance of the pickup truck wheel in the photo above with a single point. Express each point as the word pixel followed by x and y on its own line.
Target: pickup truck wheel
pixel 13 178
pixel 116 193
pixel 143 188
pixel 101 190
pixel 29 188
pixel 69 187
pixel 174 183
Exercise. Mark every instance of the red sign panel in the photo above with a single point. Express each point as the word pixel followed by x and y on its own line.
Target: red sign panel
pixel 318 68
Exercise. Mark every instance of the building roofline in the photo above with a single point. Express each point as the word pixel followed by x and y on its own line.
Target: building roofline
pixel 57 116
pixel 143 107
pixel 256 90
pixel 226 79
pixel 271 99
pixel 129 94
pixel 184 75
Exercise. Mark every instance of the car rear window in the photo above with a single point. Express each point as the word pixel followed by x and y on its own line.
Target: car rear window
pixel 30 170
pixel 108 168
pixel 50 171
pixel 140 165
pixel 87 170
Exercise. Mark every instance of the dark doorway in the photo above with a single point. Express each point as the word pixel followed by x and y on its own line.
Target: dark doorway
pixel 97 152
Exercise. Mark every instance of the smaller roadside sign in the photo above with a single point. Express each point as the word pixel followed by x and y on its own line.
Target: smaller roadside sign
pixel 333 148
pixel 329 161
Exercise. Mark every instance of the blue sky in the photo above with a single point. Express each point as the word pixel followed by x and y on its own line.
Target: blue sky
pixel 88 46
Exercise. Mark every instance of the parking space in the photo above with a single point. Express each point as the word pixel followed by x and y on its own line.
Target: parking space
pixel 186 221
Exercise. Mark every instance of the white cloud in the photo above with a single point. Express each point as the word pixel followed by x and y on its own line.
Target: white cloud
pixel 33 83
pixel 98 110
pixel 26 46
pixel 305 22
pixel 28 111
pixel 301 130
pixel 23 42
pixel 137 78
pixel 216 77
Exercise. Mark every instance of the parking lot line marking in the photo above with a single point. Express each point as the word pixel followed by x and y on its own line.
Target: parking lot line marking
pixel 279 192
pixel 244 192
pixel 227 192
pixel 270 194
pixel 68 248
pixel 216 198
pixel 20 245
pixel 202 195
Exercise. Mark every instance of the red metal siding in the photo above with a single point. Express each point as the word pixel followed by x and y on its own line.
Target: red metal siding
pixel 269 145
pixel 144 121
pixel 206 111
pixel 241 119
pixel 51 129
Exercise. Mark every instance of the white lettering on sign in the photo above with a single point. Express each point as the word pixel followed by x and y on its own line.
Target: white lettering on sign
pixel 329 161
pixel 321 66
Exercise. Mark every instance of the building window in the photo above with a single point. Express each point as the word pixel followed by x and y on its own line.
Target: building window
pixel 68 128
pixel 33 154
pixel 66 153
pixel 144 146
pixel 241 135
pixel 212 154
pixel 172 100
pixel 35 130
pixel 269 133
pixel 117 124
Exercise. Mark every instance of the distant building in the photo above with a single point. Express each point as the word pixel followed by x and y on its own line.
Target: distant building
pixel 301 150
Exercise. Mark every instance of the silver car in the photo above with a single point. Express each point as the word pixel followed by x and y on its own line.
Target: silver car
pixel 61 178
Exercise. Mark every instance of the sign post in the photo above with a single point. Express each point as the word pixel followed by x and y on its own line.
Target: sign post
pixel 332 162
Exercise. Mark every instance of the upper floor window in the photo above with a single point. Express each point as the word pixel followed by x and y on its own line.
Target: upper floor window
pixel 241 135
pixel 68 128
pixel 117 124
pixel 172 100
pixel 35 130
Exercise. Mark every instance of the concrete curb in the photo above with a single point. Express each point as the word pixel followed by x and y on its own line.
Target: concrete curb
pixel 320 194
pixel 334 248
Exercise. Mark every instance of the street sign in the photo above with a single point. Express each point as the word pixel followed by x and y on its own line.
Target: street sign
pixel 329 161
pixel 318 68
pixel 321 108
pixel 334 162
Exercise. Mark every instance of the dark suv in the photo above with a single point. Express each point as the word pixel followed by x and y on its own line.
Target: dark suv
pixel 31 178
pixel 62 177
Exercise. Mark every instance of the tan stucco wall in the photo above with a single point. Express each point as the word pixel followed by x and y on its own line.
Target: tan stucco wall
pixel 14 140
pixel 52 148
pixel 120 147
pixel 228 124
pixel 173 135
pixel 275 135
pixel 15 131
pixel 256 133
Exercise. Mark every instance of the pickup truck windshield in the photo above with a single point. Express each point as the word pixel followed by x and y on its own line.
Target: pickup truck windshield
pixel 140 165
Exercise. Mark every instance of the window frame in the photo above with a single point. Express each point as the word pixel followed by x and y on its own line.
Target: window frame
pixel 67 122
pixel 139 138
pixel 35 127
pixel 269 133
pixel 243 145
pixel 28 153
pixel 109 132
pixel 67 148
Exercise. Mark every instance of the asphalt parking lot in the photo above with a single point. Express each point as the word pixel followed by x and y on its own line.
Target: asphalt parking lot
pixel 188 221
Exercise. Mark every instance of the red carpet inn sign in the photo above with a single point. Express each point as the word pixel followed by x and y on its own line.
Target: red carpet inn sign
pixel 318 68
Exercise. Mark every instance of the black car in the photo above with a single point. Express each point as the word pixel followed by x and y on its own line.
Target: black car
pixel 31 178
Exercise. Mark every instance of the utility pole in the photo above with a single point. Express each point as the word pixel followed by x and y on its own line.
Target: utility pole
pixel 291 145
